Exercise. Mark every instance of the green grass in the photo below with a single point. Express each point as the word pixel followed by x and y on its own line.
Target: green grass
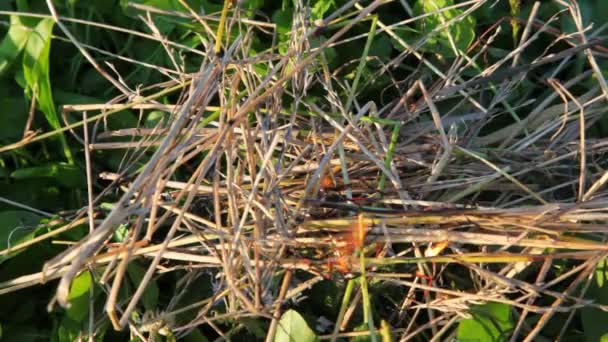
pixel 237 151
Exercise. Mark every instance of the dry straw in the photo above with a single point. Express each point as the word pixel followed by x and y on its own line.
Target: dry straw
pixel 279 187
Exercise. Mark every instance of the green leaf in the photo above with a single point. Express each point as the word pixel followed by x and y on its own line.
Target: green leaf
pixel 16 226
pixel 195 336
pixel 254 326
pixel 327 299
pixel 330 53
pixel 36 74
pixel 381 47
pixel 462 31
pixel 68 330
pixel 120 233
pixel 155 117
pixel 13 114
pixel 80 285
pixel 79 297
pixel 321 7
pixel 39 193
pixel 36 68
pixel 491 322
pixel 593 319
pixel 150 297
pixel 283 21
pixel 211 6
pixel 406 34
pixel 587 9
pixel 65 174
pixel 253 4
pixel 292 327
pixel 13 43
pixel 63 96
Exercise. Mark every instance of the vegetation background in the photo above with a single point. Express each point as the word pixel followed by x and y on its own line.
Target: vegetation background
pixel 149 46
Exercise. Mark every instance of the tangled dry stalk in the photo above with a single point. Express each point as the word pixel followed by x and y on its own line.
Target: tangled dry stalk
pixel 283 192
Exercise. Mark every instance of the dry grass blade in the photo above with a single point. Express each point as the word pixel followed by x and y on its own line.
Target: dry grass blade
pixel 266 177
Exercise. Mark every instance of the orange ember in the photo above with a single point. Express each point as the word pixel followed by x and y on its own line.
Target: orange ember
pixel 350 242
pixel 327 182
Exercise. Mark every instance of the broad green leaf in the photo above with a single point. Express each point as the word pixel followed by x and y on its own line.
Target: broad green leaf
pixel 70 176
pixel 36 68
pixel 13 43
pixel 68 330
pixel 486 13
pixel 587 8
pixel 63 96
pixel 253 4
pixel 38 193
pixel 79 297
pixel 122 119
pixel 321 7
pixel 381 47
pixel 407 35
pixel 491 322
pixel 254 326
pixel 212 6
pixel 13 114
pixel 120 233
pixel 90 81
pixel 150 296
pixel 283 20
pixel 462 31
pixel 36 74
pixel 293 328
pixel 81 285
pixel 594 320
pixel 330 53
pixel 154 117
pixel 16 226
pixel 327 298
pixel 195 336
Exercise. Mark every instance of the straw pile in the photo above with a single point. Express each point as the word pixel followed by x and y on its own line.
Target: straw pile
pixel 267 193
